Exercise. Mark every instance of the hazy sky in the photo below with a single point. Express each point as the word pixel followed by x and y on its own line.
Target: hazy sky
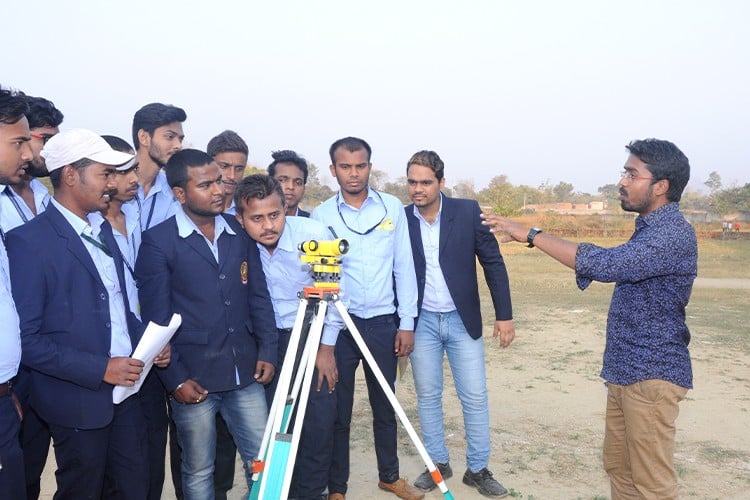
pixel 536 90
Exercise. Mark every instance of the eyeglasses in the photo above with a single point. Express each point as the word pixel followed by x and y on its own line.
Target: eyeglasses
pixel 630 176
pixel 385 214
pixel 43 137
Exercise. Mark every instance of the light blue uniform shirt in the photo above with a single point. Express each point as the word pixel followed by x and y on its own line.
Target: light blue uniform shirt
pixel 13 209
pixel 10 333
pixel 286 274
pixel 159 205
pixel 129 244
pixel 186 227
pixel 437 298
pixel 120 344
pixel 375 259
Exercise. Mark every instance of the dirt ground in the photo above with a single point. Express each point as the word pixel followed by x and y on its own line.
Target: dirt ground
pixel 547 418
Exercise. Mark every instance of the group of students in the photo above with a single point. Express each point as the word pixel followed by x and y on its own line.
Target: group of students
pixel 137 234
pixel 133 235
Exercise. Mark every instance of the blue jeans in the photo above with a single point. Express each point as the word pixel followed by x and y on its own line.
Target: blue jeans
pixel 245 412
pixel 439 333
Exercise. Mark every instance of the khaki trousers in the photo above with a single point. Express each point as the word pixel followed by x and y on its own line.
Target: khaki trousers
pixel 639 439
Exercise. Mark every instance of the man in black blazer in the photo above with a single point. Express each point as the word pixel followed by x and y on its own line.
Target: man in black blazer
pixel 201 264
pixel 447 237
pixel 77 330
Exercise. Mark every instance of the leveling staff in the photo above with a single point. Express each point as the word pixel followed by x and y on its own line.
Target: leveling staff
pixel 260 204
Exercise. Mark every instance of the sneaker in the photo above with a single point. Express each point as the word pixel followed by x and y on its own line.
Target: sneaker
pixel 485 483
pixel 425 483
pixel 402 489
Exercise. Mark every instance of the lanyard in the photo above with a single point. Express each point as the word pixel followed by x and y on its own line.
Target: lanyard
pixel 13 200
pixel 98 244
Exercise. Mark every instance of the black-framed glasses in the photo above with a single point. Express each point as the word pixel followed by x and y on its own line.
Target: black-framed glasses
pixel 385 214
pixel 43 137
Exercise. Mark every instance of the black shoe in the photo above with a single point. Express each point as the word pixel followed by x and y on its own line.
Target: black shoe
pixel 425 483
pixel 485 483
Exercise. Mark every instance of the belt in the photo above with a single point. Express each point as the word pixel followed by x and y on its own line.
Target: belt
pixel 5 388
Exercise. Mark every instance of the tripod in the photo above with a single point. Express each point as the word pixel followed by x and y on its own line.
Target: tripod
pixel 272 471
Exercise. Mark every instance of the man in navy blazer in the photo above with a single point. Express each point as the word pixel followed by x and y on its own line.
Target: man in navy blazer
pixel 77 330
pixel 447 237
pixel 201 264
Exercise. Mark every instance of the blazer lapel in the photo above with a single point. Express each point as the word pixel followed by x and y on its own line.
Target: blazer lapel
pixel 447 218
pixel 226 242
pixel 74 243
pixel 198 244
pixel 415 232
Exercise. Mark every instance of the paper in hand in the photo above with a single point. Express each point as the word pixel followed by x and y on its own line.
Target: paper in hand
pixel 154 339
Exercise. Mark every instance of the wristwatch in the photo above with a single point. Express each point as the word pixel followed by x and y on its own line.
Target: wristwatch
pixel 532 234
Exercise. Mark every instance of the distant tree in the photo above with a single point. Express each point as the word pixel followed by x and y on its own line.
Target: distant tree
pixel 501 196
pixel 398 189
pixel 378 178
pixel 563 192
pixel 609 191
pixel 713 182
pixel 732 200
pixel 315 191
pixel 464 188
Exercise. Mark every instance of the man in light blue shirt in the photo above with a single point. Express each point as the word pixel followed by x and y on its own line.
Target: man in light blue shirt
pixel 379 261
pixel 15 153
pixel 261 210
pixel 157 135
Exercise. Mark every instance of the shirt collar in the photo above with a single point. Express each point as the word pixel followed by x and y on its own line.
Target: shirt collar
pixel 657 215
pixel 78 224
pixel 186 227
pixel 371 195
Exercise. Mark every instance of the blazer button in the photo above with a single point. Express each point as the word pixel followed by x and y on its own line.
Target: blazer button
pixel 107 324
pixel 222 276
pixel 227 302
pixel 103 296
pixel 230 330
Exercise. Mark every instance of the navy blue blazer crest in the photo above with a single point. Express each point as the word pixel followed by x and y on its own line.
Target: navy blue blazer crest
pixel 63 308
pixel 463 239
pixel 227 315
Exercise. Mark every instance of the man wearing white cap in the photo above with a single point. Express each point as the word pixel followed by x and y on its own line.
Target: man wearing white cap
pixel 77 332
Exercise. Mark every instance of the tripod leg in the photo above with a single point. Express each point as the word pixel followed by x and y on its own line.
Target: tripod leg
pixel 434 471
pixel 277 411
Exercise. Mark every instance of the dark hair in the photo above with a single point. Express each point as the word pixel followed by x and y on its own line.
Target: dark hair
pixel 56 175
pixel 155 115
pixel 351 144
pixel 179 162
pixel 429 159
pixel 665 161
pixel 118 144
pixel 43 112
pixel 13 106
pixel 228 141
pixel 258 186
pixel 287 156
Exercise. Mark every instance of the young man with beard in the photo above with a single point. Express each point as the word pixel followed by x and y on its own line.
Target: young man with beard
pixel 19 203
pixel 260 211
pixel 79 334
pixel 199 264
pixel 157 135
pixel 15 154
pixel 447 238
pixel 377 274
pixel 291 171
pixel 647 366
pixel 229 151
pixel 22 201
